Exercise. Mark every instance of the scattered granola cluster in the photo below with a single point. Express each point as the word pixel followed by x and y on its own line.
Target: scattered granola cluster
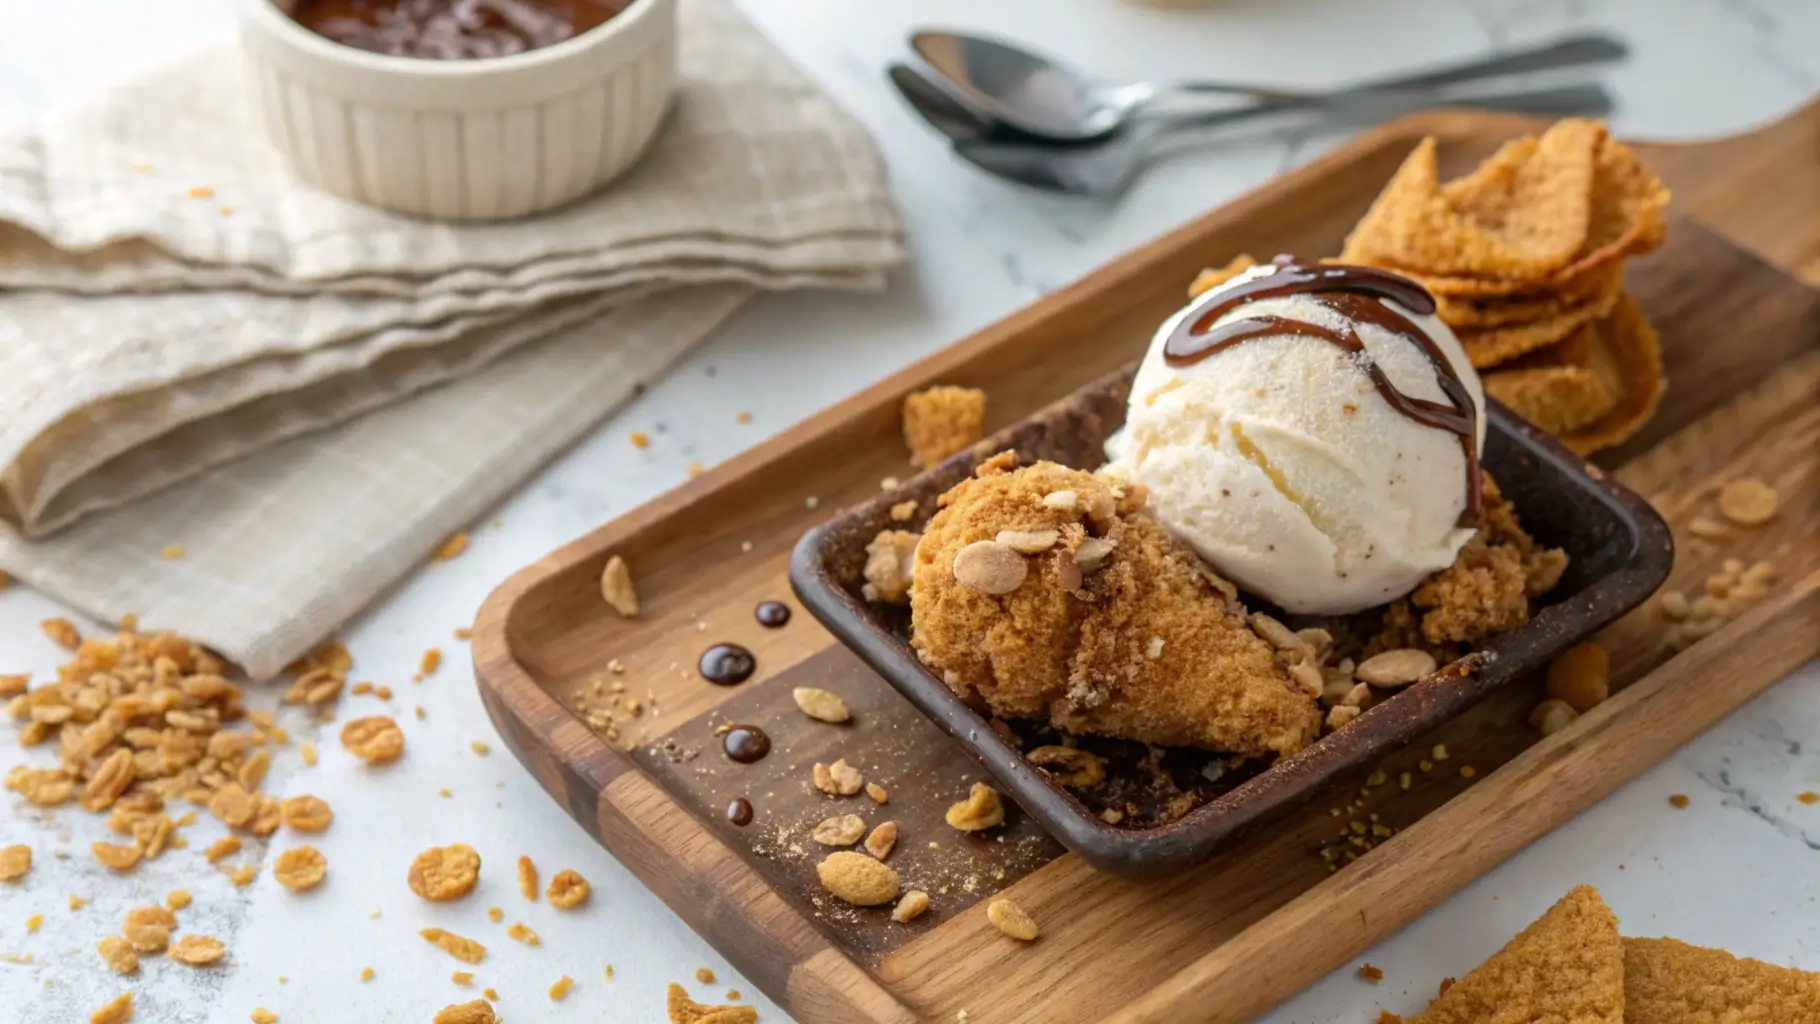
pixel 1730 592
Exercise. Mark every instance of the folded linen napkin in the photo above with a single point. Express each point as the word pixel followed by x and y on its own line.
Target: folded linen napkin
pixel 308 394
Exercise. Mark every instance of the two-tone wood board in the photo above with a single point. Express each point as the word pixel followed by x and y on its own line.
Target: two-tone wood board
pixel 1733 294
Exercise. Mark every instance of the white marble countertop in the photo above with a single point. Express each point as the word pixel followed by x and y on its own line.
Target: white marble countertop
pixel 1740 867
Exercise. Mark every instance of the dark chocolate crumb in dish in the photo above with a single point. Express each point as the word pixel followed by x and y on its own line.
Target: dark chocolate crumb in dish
pixel 453 29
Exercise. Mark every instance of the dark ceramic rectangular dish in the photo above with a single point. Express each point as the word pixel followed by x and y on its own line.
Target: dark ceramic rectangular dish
pixel 1620 549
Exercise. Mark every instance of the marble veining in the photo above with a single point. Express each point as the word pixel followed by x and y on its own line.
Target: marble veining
pixel 1737 867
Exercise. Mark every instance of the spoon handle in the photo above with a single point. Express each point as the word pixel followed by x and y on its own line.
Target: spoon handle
pixel 1569 52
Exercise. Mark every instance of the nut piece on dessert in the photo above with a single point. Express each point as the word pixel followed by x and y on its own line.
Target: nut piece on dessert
pixel 890 563
pixel 940 421
pixel 1115 629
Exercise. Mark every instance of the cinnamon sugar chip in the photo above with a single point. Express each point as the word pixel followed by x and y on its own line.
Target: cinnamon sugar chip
pixel 300 868
pixel 941 421
pixel 443 873
pixel 375 740
pixel 567 890
pixel 466 950
pixel 683 1010
pixel 1563 388
pixel 196 950
pixel 1636 350
pixel 1669 982
pixel 1213 277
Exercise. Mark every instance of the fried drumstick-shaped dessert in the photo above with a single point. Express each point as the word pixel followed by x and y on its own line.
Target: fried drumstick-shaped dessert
pixel 1047 592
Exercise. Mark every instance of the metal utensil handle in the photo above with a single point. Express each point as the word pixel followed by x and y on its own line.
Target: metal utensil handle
pixel 1372 107
pixel 1573 51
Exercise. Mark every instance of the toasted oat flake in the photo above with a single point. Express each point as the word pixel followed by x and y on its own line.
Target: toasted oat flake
pixel 177 899
pixel 196 950
pixel 375 739
pixel 462 977
pixel 452 547
pixel 443 873
pixel 639 439
pixel 366 974
pixel 62 632
pixel 242 876
pixel 430 662
pixel 523 934
pixel 480 748
pixel 15 861
pixel 616 587
pixel 466 950
pixel 1011 919
pixel 463 633
pixel 704 975
pixel 1679 801
pixel 495 915
pixel 77 902
pixel 820 705
pixel 33 923
pixel 300 868
pixel 118 954
pixel 1748 502
pixel 221 849
pixel 877 793
pixel 118 1010
pixel 527 878
pixel 261 1015
pixel 567 890
pixel 561 988
pixel 307 813
pixel 476 1012
pixel 115 857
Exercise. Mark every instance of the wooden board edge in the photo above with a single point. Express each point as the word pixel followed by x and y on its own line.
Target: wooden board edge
pixel 1530 796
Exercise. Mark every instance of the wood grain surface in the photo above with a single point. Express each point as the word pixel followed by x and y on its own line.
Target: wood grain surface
pixel 1265 918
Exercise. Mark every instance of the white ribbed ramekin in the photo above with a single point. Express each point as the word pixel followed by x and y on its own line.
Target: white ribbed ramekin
pixel 468 139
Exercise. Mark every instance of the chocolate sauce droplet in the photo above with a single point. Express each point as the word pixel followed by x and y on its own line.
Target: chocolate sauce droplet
pixel 772 614
pixel 745 743
pixel 726 664
pixel 739 812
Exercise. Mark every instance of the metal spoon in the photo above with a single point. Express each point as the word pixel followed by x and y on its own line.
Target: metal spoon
pixel 1104 170
pixel 1043 97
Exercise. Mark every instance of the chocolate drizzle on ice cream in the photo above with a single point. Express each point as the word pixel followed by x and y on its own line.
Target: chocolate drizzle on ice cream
pixel 1353 292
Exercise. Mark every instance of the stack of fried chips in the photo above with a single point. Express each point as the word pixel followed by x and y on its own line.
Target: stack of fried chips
pixel 1571 966
pixel 1525 259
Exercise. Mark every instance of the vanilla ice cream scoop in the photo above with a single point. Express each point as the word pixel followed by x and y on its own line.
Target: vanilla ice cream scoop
pixel 1313 432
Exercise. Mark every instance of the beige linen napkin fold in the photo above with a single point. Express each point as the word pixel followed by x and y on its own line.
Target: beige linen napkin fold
pixel 310 394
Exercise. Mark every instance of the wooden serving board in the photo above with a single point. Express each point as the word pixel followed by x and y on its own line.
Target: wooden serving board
pixel 1264 919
